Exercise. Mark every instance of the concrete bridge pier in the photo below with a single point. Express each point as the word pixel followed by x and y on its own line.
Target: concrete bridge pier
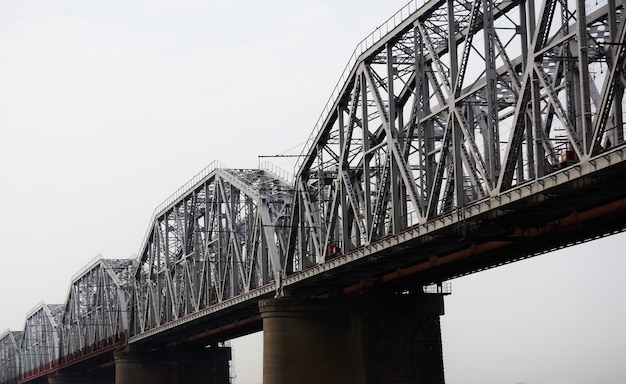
pixel 194 366
pixel 377 338
pixel 96 377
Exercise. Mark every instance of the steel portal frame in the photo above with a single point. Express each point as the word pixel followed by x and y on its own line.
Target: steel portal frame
pixel 460 102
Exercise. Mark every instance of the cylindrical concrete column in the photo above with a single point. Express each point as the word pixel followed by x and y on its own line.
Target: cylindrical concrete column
pixel 133 368
pixel 307 341
pixel 400 338
pixel 369 339
pixel 204 366
pixel 188 365
pixel 98 376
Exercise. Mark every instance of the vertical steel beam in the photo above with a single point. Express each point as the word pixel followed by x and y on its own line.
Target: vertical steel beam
pixel 492 157
pixel 583 65
pixel 367 183
pixel 457 136
pixel 397 201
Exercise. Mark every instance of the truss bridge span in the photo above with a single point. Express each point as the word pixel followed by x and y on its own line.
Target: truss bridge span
pixel 462 135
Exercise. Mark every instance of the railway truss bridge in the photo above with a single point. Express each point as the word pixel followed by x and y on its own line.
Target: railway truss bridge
pixel 462 135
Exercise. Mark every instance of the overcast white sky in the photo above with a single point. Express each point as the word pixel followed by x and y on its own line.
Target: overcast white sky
pixel 107 107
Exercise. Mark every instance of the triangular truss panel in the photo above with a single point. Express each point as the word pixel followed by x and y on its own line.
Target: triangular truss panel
pixel 222 237
pixel 96 311
pixel 457 110
pixel 41 339
pixel 10 342
pixel 459 102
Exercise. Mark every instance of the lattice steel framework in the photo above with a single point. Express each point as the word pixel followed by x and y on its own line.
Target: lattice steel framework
pixel 10 356
pixel 41 342
pixel 219 238
pixel 459 102
pixel 97 309
pixel 446 109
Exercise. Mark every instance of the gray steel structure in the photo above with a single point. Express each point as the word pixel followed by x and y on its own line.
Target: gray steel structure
pixel 220 237
pixel 461 102
pixel 462 135
pixel 41 339
pixel 10 356
pixel 96 312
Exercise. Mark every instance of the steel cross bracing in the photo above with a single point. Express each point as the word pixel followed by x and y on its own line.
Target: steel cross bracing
pixel 461 102
pixel 10 356
pixel 221 239
pixel 96 313
pixel 462 110
pixel 41 339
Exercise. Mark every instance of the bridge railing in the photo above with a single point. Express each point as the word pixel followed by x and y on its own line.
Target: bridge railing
pixel 194 180
pixel 278 172
pixel 442 288
pixel 361 48
pixel 180 192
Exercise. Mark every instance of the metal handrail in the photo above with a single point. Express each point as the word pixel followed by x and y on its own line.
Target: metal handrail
pixel 277 171
pixel 188 185
pixel 177 195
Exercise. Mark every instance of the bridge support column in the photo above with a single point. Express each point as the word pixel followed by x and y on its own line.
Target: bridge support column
pixel 206 366
pixel 399 337
pixel 306 341
pixel 370 339
pixel 97 377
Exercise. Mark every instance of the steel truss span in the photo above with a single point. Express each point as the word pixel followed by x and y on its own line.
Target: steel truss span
pixel 10 347
pixel 222 239
pixel 462 102
pixel 41 340
pixel 96 313
pixel 462 135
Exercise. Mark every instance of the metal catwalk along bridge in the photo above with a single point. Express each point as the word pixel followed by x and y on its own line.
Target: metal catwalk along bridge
pixel 462 135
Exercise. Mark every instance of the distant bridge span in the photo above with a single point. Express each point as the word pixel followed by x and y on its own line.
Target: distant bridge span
pixel 461 136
